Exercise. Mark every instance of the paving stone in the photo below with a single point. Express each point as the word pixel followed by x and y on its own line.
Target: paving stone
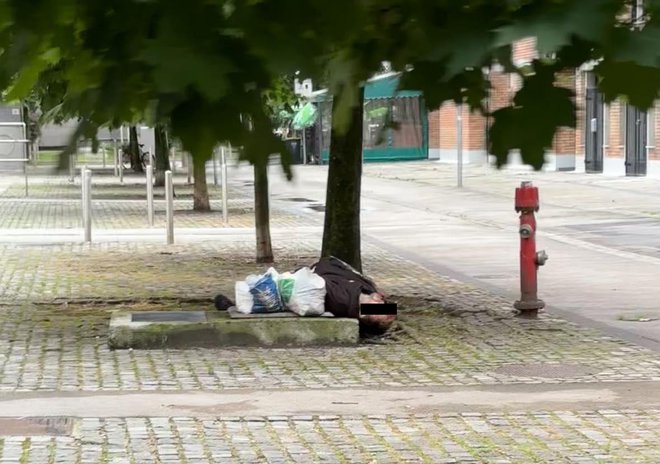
pixel 54 313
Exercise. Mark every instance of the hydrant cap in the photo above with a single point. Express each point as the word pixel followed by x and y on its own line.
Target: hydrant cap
pixel 527 197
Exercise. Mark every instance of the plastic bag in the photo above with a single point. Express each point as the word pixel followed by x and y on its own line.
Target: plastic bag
pixel 244 300
pixel 266 295
pixel 256 294
pixel 308 297
pixel 285 285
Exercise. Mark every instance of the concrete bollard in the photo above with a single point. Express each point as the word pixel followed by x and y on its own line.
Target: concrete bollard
pixel 223 173
pixel 150 195
pixel 116 159
pixel 72 168
pixel 215 168
pixel 83 196
pixel 121 167
pixel 169 213
pixel 190 167
pixel 173 160
pixel 87 209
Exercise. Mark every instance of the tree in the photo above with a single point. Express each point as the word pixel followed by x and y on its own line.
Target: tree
pixel 262 213
pixel 203 66
pixel 200 188
pixel 162 154
pixel 134 152
pixel 443 47
pixel 341 231
pixel 278 100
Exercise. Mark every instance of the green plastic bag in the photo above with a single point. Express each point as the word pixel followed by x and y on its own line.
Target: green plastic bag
pixel 285 285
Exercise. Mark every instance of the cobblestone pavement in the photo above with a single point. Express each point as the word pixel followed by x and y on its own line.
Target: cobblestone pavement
pixel 543 436
pixel 453 334
pixel 55 303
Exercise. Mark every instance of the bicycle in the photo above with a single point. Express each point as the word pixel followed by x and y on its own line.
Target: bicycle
pixel 126 156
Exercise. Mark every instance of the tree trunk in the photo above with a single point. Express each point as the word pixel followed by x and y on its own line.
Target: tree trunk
pixel 162 155
pixel 262 213
pixel 341 231
pixel 29 130
pixel 200 191
pixel 134 150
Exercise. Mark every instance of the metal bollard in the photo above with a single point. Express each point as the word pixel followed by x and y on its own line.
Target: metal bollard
pixel 223 174
pixel 173 160
pixel 72 168
pixel 215 168
pixel 121 167
pixel 150 195
pixel 116 159
pixel 527 203
pixel 189 165
pixel 83 196
pixel 169 212
pixel 87 210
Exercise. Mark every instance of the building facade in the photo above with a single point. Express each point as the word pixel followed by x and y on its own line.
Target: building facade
pixel 612 139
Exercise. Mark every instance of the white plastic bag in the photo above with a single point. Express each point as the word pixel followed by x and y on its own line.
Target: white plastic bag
pixel 244 298
pixel 308 297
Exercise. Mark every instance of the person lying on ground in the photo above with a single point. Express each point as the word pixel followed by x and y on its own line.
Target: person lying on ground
pixel 347 289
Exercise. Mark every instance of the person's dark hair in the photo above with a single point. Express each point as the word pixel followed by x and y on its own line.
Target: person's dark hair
pixel 222 303
pixel 371 329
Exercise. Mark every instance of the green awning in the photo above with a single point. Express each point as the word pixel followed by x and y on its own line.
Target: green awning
pixel 384 87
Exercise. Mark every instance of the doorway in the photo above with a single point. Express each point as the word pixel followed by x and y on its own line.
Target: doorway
pixel 636 140
pixel 593 137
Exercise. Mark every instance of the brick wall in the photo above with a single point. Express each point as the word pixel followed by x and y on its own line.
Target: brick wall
pixel 580 96
pixel 566 139
pixel 434 129
pixel 615 132
pixel 654 152
pixel 442 129
pixel 442 122
pixel 524 51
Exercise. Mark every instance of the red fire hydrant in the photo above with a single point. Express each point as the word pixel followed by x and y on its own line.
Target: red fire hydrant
pixel 527 203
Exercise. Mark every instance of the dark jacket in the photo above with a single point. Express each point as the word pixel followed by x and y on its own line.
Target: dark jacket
pixel 343 286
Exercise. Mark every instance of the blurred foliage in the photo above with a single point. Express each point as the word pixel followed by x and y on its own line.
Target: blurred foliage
pixel 206 67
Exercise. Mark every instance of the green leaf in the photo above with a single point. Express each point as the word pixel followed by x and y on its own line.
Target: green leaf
pixel 344 86
pixel 638 46
pixel 29 75
pixel 640 85
pixel 553 24
pixel 529 125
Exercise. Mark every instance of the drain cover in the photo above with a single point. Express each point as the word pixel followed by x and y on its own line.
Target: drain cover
pixel 547 370
pixel 169 316
pixel 36 426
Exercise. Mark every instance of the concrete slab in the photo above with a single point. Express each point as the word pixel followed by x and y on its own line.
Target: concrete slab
pixel 340 401
pixel 199 329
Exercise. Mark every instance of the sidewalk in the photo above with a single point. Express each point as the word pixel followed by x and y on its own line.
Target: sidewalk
pixel 595 230
pixel 460 379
